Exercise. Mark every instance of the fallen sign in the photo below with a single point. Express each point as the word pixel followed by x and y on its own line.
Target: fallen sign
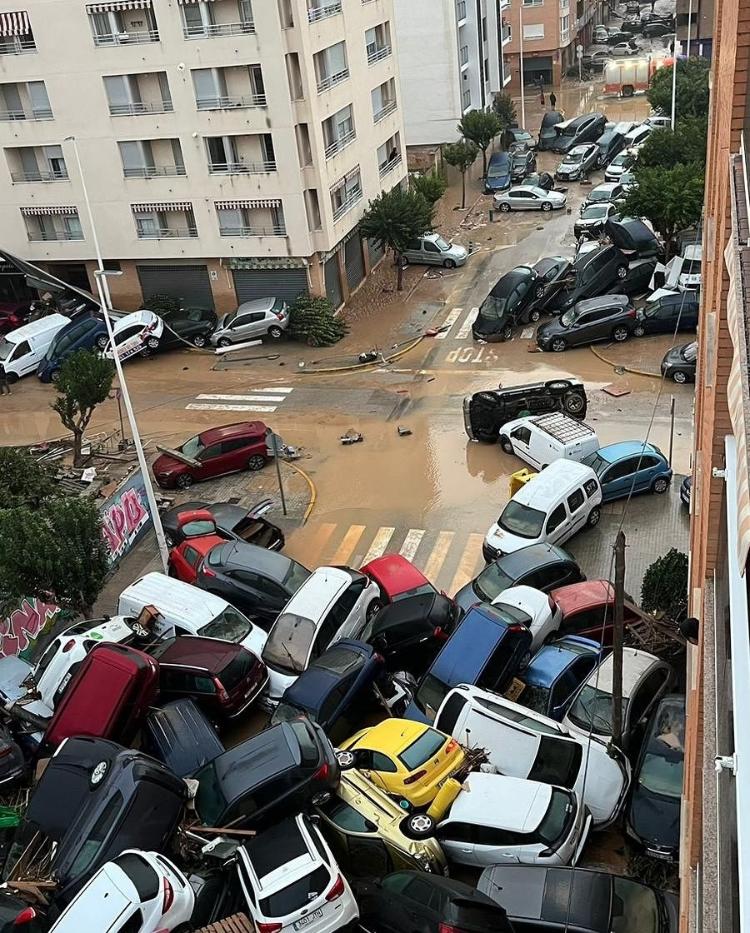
pixel 179 455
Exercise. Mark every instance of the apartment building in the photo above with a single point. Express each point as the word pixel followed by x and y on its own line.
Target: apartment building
pixel 229 147
pixel 696 18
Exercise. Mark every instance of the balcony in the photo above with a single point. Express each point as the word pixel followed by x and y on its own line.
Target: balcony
pixel 388 107
pixel 506 34
pixel 276 230
pixel 231 103
pixel 389 155
pixel 7 116
pixel 461 11
pixel 19 178
pixel 463 56
pixel 377 53
pixel 154 171
pixel 378 43
pixel 251 218
pixel 39 236
pixel 219 18
pixel 347 203
pixel 50 224
pixel 167 233
pixel 17 45
pixel 241 168
pixel 24 100
pixel 140 108
pixel 326 83
pixel 346 193
pixel 339 144
pixel 317 13
pixel 215 30
pixel 126 38
pixel 389 166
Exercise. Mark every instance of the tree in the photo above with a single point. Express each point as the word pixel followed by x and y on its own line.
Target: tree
pixel 461 155
pixel 503 106
pixel 671 198
pixel 56 553
pixel 431 186
pixel 666 148
pixel 481 127
pixel 24 481
pixel 312 321
pixel 395 218
pixel 85 381
pixel 163 305
pixel 691 92
pixel 665 586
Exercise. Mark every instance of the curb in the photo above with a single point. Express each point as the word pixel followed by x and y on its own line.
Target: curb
pixel 627 369
pixel 357 367
pixel 313 491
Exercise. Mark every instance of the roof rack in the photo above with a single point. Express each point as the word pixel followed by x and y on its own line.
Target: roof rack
pixel 562 427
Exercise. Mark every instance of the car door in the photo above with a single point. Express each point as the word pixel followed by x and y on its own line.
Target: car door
pixel 577 511
pixel 689 316
pixel 185 560
pixel 558 523
pixel 24 361
pixel 520 439
pixel 641 703
pixel 617 479
pixel 413 251
pixel 495 846
pixel 431 253
pixel 245 326
pixel 649 468
pixel 212 463
pixel 457 839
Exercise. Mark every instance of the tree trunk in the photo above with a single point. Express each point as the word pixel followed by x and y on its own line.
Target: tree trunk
pixel 399 273
pixel 463 189
pixel 77 444
pixel 484 162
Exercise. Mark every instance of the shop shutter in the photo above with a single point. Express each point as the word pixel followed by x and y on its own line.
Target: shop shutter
pixel 333 282
pixel 376 252
pixel 188 284
pixel 266 283
pixel 355 266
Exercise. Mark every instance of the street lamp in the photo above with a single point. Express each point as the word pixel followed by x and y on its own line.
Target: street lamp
pixel 100 275
pixel 520 60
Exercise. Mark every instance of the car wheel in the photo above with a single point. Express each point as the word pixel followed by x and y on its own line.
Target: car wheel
pixel 345 759
pixel 55 375
pixel 639 330
pixel 620 334
pixel 152 343
pixel 594 515
pixel 558 345
pixel 450 263
pixel 660 485
pixel 534 316
pixel 199 341
pixel 622 271
pixel 168 540
pixel 418 826
pixel 256 462
pixel 679 376
pixel 275 332
pixel 184 481
pixel 101 341
pixel 539 291
pixel 546 206
pixel 507 332
pixel 574 404
pixel 373 609
pixel 224 342
pixel 505 207
pixel 506 444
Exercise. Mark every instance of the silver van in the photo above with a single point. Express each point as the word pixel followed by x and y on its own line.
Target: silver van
pixel 253 319
pixel 433 250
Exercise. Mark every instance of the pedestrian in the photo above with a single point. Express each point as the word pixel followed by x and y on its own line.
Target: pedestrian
pixel 4 387
pixel 541 98
pixel 553 101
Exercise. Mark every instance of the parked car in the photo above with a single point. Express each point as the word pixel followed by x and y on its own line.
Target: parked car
pixel 369 832
pixel 136 334
pixel 547 132
pixel 619 36
pixel 556 671
pixel 336 690
pixel 397 578
pixel 644 679
pixel 680 363
pixel 433 250
pixel 189 326
pixel 142 892
pixel 612 141
pixel 584 129
pixel 554 272
pixel 624 49
pixel 668 315
pixel 23 349
pixel 486 649
pixel 540 180
pixel 656 30
pixel 525 744
pixel 332 603
pixel 543 566
pixel 233 522
pixel 628 180
pixel 262 317
pixel 406 759
pixel 635 238
pixel 608 318
pixel 214 452
pixel 690 275
pixel 517 136
pixel 541 439
pixel 653 818
pixel 522 162
pixel 587 609
pixel 533 608
pixel 606 193
pixel 291 880
pixel 638 280
pixel 179 735
pixel 273 774
pixel 85 332
pixel 561 899
pixel 592 274
pixel 530 198
pixel 638 135
pixel 686 491
pixel 507 305
pixel 621 163
pixel 498 173
pixel 486 412
pixel 593 219
pixel 578 162
pixel 630 467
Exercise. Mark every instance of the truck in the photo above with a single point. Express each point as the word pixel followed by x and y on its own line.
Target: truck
pixel 625 76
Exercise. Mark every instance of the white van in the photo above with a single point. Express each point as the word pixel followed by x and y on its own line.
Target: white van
pixel 186 610
pixel 542 439
pixel 549 509
pixel 22 350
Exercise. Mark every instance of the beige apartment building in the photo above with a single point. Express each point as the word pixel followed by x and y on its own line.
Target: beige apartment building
pixel 229 147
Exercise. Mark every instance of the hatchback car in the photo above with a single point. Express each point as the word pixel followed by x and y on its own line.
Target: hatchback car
pixel 179 735
pixel 593 320
pixel 192 326
pixel 578 162
pixel 498 173
pixel 553 272
pixel 587 609
pixel 540 615
pixel 547 132
pixel 669 314
pixel 433 250
pixel 612 141
pixel 584 129
pixel 84 332
pixel 215 452
pixel 624 49
pixel 517 136
pixel 592 274
pixel 555 673
pixel 630 467
pixel 522 161
pixel 262 317
pixel 508 304
pixel 397 578
pixel 233 522
pixel 592 221
pixel 637 282
pixel 530 198
pixel 621 163
pixel 136 334
pixel 680 363
pixel 606 193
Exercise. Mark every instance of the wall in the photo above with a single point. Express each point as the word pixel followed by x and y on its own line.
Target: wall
pixel 126 517
pixel 19 632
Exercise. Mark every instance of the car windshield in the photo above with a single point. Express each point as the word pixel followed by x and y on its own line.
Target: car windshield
pixel 498 170
pixel 295 576
pixel 192 447
pixel 624 158
pixel 491 582
pixel 198 527
pixel 237 670
pixel 558 761
pixel 431 694
pixel 574 157
pixel 518 519
pixel 593 710
pixel 442 244
pixel 690 353
pixel 552 826
pixel 493 308
pixel 594 212
pixel 568 317
pixel 420 751
pixel 596 463
pixel 634 907
pixel 600 194
pixel 210 802
pixel 661 771
pixel 289 643
pixel 229 624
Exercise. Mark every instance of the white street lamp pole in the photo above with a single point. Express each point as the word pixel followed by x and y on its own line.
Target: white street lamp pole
pixel 674 79
pixel 520 58
pixel 690 25
pixel 103 287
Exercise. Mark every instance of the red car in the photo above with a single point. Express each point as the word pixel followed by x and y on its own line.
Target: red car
pixel 397 578
pixel 215 452
pixel 198 532
pixel 586 607
pixel 10 318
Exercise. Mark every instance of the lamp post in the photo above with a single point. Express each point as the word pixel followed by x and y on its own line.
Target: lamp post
pixel 520 58
pixel 102 285
pixel 674 80
pixel 690 26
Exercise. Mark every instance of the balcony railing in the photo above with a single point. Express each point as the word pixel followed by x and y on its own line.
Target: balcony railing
pixel 241 168
pixel 168 233
pixel 274 230
pixel 231 103
pixel 388 166
pixel 341 143
pixel 314 14
pixel 214 30
pixel 461 10
pixel 332 80
pixel 140 107
pixel 21 177
pixel 17 45
pixel 38 236
pixel 127 38
pixel 388 107
pixel 506 34
pixel 6 116
pixel 348 203
pixel 377 53
pixel 154 171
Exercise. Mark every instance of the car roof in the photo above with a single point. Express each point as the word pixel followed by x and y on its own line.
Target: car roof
pixel 256 760
pixel 240 554
pixel 577 597
pixel 531 557
pixel 582 147
pixel 502 802
pixel 38 327
pixel 635 664
pixel 551 661
pixel 395 574
pixel 403 610
pixel 547 486
pixel 605 186
pixel 614 452
pixel 392 734
pixel 549 262
pixel 226 431
pixel 144 317
pixel 257 304
pixel 465 654
pixel 320 589
pixel 276 847
pixel 512 277
pixel 603 301
pixel 500 158
pixel 213 654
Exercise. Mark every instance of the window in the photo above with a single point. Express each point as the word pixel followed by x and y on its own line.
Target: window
pixel 448 718
pixel 209 453
pixel 556 519
pixel 427 745
pixel 346 817
pixel 591 487
pixel 375 761
pixel 98 836
pixel 621 470
pixel 310 753
pixel 466 99
pixel 296 895
pixel 576 500
pixel 397 882
pixel 133 924
pixel 521 434
pixel 533 31
pixel 457 832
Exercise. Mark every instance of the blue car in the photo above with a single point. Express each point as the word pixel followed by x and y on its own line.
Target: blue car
pixel 498 173
pixel 336 689
pixel 83 333
pixel 630 465
pixel 486 650
pixel 556 672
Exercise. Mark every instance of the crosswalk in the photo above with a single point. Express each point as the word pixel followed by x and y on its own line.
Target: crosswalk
pixel 463 330
pixel 448 559
pixel 263 401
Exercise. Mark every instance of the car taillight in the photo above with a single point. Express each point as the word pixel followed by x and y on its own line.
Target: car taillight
pixel 378 658
pixel 448 928
pixel 415 777
pixel 26 916
pixel 221 693
pixel 337 890
pixel 322 773
pixel 168 895
pixel 517 627
pixel 68 645
pixel 439 634
pixel 207 573
pixel 268 927
pixel 451 747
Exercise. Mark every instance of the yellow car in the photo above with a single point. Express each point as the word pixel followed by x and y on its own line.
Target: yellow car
pixel 405 758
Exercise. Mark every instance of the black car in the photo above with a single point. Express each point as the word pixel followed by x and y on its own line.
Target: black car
pixel 686 490
pixel 543 566
pixel 654 814
pixel 592 220
pixel 547 133
pixel 417 902
pixel 667 314
pixel 631 26
pixel 335 691
pixel 191 326
pixel 517 135
pixel 505 306
pixel 256 581
pixel 615 38
pixel 559 900
pixel 180 735
pixel 612 141
pixel 592 274
pixel 656 30
pixel 633 237
pixel 638 280
pixel 541 180
pixel 486 412
pixel 233 522
pixel 585 129
pixel 554 272
pixel 578 162
pixel 611 317
pixel 680 363
pixel 522 161
pixel 271 775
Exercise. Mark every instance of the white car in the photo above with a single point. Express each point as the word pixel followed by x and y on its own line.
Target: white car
pixel 622 162
pixel 658 122
pixel 690 274
pixel 291 881
pixel 525 744
pixel 332 603
pixel 529 198
pixel 139 332
pixel 534 609
pixel 500 820
pixel 138 892
pixel 638 136
pixel 603 194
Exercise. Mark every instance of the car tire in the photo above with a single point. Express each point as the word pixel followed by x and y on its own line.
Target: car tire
pixel 507 332
pixel 54 375
pixel 620 334
pixel 275 332
pixel 546 207
pixel 199 341
pixel 505 207
pixel 660 485
pixel 346 759
pixel 101 341
pixel 679 377
pixel 534 316
pixel 574 404
pixel 539 291
pixel 418 826
pixel 557 345
pixel 506 444
pixel 622 271
pixel 404 262
pixel 594 515
pixel 152 343
pixel 224 342
pixel 450 264
pixel 184 481
pixel 639 330
pixel 256 462
pixel 373 609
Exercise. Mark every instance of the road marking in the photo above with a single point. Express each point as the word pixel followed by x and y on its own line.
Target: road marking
pixel 260 408
pixel 321 536
pixel 465 329
pixel 243 398
pixel 448 323
pixel 411 543
pixel 379 544
pixel 473 354
pixel 258 401
pixel 527 333
pixel 438 554
pixel 345 550
pixel 469 560
pixel 286 389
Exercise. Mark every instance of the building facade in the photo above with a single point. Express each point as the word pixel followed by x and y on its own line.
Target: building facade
pixel 229 147
pixel 695 17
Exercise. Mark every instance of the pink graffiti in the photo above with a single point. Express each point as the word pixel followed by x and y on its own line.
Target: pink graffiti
pixel 24 625
pixel 123 520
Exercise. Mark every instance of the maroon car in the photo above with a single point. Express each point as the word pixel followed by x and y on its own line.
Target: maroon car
pixel 222 677
pixel 10 318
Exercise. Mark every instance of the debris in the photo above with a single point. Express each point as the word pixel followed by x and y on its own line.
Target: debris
pixel 369 356
pixel 301 365
pixel 616 391
pixel 403 432
pixel 620 370
pixel 88 475
pixel 431 379
pixel 351 437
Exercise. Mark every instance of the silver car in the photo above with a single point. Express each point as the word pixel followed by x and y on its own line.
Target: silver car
pixel 433 250
pixel 529 198
pixel 260 318
pixel 579 161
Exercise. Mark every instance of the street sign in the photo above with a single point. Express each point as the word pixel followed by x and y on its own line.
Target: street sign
pixel 579 51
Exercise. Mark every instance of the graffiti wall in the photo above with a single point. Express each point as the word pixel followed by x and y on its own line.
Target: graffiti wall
pixel 126 517
pixel 19 632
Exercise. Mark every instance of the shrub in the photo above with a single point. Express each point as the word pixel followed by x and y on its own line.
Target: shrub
pixel 312 322
pixel 665 586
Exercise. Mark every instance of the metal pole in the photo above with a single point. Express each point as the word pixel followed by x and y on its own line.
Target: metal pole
pixel 671 429
pixel 103 288
pixel 674 80
pixel 617 639
pixel 690 24
pixel 275 446
pixel 119 412
pixel 520 60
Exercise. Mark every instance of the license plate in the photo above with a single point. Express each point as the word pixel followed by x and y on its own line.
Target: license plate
pixel 304 921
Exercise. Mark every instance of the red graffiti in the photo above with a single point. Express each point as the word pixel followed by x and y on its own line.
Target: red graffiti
pixel 122 521
pixel 24 625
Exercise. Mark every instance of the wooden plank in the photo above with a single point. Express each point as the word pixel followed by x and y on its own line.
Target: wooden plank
pixel 237 923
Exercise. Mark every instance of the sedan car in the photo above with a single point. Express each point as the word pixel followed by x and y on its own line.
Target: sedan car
pixel 578 162
pixel 233 522
pixel 522 161
pixel 530 198
pixel 621 163
pixel 555 672
pixel 605 193
pixel 609 318
pixel 433 250
pixel 587 609
pixel 668 315
pixel 508 304
pixel 253 319
pixel 214 452
pixel 517 136
pixel 630 467
pixel 593 219
pixel 680 363
pixel 656 30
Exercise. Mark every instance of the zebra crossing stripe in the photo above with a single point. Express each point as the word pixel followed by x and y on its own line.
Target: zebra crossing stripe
pixel 215 407
pixel 469 559
pixel 321 536
pixel 411 543
pixel 379 544
pixel 345 550
pixel 242 398
pixel 439 552
pixel 448 323
pixel 465 329
pixel 285 389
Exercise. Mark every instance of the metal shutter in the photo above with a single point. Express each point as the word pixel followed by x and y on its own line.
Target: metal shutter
pixel 376 252
pixel 333 282
pixel 355 266
pixel 267 283
pixel 190 284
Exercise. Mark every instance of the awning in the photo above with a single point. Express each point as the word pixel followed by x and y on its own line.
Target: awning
pixel 161 206
pixel 46 211
pixel 14 24
pixel 238 205
pixel 183 2
pixel 118 5
pixel 256 263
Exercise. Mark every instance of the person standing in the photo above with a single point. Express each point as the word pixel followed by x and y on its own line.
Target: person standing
pixel 541 98
pixel 553 101
pixel 4 386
